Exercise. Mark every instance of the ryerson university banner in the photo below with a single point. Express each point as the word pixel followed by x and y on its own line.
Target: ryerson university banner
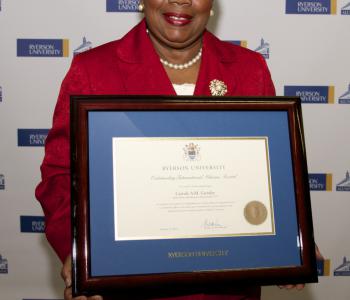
pixel 42 47
pixel 308 57
pixel 318 7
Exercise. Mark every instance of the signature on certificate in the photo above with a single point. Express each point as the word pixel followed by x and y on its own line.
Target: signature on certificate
pixel 212 224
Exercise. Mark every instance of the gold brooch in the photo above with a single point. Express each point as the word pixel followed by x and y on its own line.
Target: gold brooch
pixel 218 88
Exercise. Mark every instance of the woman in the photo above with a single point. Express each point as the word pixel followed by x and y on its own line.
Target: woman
pixel 168 53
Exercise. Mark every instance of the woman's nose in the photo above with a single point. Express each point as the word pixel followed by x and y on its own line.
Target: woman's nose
pixel 181 2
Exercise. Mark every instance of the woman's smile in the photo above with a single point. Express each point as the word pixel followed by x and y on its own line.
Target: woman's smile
pixel 177 19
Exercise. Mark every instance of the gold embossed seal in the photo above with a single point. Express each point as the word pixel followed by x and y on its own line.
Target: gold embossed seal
pixel 255 212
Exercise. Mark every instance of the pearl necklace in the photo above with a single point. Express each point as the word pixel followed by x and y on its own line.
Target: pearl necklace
pixel 182 66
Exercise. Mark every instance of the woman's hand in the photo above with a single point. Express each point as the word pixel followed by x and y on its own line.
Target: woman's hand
pixel 66 274
pixel 299 287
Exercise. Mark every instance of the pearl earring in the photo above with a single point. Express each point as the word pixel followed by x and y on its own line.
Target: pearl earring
pixel 141 7
pixel 212 13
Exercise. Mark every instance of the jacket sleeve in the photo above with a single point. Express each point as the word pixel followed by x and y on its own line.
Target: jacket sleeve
pixel 53 192
pixel 268 86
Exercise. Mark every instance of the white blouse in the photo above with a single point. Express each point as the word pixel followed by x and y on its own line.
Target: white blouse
pixel 186 89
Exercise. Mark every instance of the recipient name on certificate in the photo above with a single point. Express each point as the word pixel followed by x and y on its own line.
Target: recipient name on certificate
pixel 168 188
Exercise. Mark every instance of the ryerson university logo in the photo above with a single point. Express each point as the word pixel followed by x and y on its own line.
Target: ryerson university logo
pixel 122 5
pixel 343 269
pixel 32 224
pixel 4 269
pixel 345 10
pixel 320 182
pixel 311 7
pixel 243 44
pixel 85 46
pixel 344 185
pixel 2 182
pixel 311 94
pixel 323 267
pixel 263 49
pixel 345 98
pixel 42 47
pixel 32 137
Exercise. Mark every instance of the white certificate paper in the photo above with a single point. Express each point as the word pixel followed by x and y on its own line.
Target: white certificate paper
pixel 168 188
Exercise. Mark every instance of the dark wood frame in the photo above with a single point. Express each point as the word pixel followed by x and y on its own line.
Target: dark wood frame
pixel 159 285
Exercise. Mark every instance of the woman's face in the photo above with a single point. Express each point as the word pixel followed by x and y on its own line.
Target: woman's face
pixel 177 23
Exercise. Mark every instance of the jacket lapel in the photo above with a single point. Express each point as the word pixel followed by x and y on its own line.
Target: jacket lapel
pixel 142 72
pixel 217 62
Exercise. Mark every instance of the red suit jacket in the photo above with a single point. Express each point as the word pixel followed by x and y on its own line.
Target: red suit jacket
pixel 131 66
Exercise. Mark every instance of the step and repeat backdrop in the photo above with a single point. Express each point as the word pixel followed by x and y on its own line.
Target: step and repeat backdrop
pixel 307 47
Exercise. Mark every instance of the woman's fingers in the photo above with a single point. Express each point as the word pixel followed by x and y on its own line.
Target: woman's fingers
pixel 298 287
pixel 66 272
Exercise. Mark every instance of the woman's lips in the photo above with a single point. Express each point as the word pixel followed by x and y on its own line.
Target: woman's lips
pixel 177 19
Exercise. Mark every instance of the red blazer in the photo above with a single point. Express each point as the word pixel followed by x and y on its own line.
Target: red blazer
pixel 131 66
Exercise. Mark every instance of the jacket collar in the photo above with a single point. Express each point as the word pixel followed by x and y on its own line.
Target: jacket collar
pixel 143 73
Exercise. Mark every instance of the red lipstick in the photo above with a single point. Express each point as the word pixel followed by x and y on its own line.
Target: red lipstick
pixel 177 19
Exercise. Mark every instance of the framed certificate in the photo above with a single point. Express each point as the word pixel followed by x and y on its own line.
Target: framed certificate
pixel 183 195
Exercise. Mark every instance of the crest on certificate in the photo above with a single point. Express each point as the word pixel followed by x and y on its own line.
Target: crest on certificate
pixel 192 152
